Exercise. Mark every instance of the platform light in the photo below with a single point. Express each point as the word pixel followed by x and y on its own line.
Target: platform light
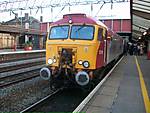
pixel 145 33
pixel 108 37
pixel 30 48
pixel 139 38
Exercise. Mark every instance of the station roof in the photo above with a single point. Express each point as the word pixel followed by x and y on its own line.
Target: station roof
pixel 19 30
pixel 140 18
pixel 23 19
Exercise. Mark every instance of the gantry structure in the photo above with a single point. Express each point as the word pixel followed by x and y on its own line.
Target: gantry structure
pixel 140 17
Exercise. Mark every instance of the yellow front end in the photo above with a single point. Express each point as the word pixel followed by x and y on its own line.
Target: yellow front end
pixel 81 51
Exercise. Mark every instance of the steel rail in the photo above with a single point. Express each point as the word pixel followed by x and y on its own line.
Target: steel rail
pixel 22 78
pixel 35 104
pixel 20 66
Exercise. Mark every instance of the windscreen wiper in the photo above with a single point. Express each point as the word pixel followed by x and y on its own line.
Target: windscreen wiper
pixel 80 28
pixel 63 28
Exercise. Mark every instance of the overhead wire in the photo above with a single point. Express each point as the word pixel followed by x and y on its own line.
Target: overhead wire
pixel 63 7
pixel 6 5
pixel 11 7
pixel 26 3
pixel 52 4
pixel 111 4
pixel 99 9
pixel 33 3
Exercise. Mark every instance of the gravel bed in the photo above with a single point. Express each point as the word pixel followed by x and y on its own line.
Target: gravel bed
pixel 19 96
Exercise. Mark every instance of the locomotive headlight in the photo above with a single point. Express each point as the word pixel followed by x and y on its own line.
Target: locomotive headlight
pixel 86 64
pixel 80 62
pixel 50 61
pixel 54 60
pixel 70 21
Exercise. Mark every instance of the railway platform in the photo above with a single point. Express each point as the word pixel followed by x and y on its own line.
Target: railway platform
pixel 126 90
pixel 10 50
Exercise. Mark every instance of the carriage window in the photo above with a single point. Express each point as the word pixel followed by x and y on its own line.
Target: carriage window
pixel 83 32
pixel 100 34
pixel 59 32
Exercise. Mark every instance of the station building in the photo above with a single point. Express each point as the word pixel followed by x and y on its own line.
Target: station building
pixel 8 40
pixel 119 26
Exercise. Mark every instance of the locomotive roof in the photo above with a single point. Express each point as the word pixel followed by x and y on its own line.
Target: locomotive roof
pixel 78 18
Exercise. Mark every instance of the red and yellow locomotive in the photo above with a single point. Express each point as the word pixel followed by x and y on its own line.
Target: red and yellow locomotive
pixel 76 46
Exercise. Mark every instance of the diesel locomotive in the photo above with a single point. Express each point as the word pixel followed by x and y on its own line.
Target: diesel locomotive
pixel 76 47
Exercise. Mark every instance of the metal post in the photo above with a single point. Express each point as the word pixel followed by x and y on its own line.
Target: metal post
pixel 148 51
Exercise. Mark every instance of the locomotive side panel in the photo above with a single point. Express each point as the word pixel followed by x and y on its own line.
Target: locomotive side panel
pixel 102 47
pixel 114 47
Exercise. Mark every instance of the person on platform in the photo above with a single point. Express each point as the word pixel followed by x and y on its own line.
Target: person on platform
pixel 141 50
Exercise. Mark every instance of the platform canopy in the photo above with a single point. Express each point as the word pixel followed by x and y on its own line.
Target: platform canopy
pixel 141 18
pixel 54 9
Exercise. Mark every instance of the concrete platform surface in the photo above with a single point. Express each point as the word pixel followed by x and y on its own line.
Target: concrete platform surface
pixel 121 92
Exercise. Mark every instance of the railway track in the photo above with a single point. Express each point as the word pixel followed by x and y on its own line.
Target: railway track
pixel 16 78
pixel 20 66
pixel 15 72
pixel 67 100
pixel 63 99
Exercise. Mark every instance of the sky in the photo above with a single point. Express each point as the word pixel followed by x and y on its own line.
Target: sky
pixel 118 11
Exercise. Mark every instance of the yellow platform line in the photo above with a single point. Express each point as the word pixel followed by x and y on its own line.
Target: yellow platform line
pixel 143 88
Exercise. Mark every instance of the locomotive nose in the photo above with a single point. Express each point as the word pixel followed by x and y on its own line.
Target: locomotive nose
pixel 82 78
pixel 45 73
